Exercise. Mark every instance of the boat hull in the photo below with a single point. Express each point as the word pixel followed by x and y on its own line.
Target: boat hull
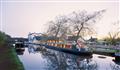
pixel 76 52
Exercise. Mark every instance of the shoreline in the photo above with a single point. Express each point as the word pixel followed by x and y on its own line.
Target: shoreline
pixel 9 59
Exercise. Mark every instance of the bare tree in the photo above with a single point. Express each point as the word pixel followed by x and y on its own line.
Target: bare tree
pixel 77 22
pixel 115 30
pixel 58 27
pixel 114 33
pixel 81 21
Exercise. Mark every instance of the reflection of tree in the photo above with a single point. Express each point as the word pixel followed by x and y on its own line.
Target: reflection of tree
pixel 115 67
pixel 72 62
pixel 62 61
pixel 20 51
pixel 55 61
pixel 88 66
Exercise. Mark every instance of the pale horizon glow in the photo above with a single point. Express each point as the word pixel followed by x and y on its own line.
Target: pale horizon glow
pixel 20 18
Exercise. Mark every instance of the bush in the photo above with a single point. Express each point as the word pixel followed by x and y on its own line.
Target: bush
pixel 3 38
pixel 112 41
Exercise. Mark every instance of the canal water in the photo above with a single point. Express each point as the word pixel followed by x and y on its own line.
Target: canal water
pixel 36 57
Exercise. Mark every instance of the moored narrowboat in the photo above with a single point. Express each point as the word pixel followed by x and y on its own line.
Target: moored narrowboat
pixel 82 52
pixel 69 46
pixel 73 49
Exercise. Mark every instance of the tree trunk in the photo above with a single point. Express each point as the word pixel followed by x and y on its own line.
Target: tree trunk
pixel 57 32
pixel 79 32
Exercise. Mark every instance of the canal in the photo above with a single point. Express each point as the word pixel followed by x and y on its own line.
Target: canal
pixel 35 57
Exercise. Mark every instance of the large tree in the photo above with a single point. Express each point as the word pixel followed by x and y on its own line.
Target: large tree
pixel 58 27
pixel 81 22
pixel 76 22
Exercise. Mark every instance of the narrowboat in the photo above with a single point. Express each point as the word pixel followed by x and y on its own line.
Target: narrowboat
pixel 19 46
pixel 72 49
pixel 78 48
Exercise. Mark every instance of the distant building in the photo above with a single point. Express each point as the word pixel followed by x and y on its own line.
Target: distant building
pixel 19 39
pixel 34 37
pixel 93 39
pixel 71 38
pixel 40 38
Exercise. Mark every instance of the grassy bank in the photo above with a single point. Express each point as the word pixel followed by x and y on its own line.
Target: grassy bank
pixel 9 59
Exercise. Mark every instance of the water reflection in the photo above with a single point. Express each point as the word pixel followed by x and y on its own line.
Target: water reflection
pixel 115 67
pixel 19 48
pixel 39 58
pixel 20 51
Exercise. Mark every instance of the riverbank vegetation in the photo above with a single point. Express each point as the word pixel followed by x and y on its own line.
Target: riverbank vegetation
pixel 113 37
pixel 2 38
pixel 8 58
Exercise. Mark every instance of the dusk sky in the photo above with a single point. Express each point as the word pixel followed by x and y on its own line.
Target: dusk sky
pixel 20 18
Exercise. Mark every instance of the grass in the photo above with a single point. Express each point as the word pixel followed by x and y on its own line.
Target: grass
pixel 105 50
pixel 9 59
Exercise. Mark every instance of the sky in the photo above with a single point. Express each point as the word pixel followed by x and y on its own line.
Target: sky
pixel 19 17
